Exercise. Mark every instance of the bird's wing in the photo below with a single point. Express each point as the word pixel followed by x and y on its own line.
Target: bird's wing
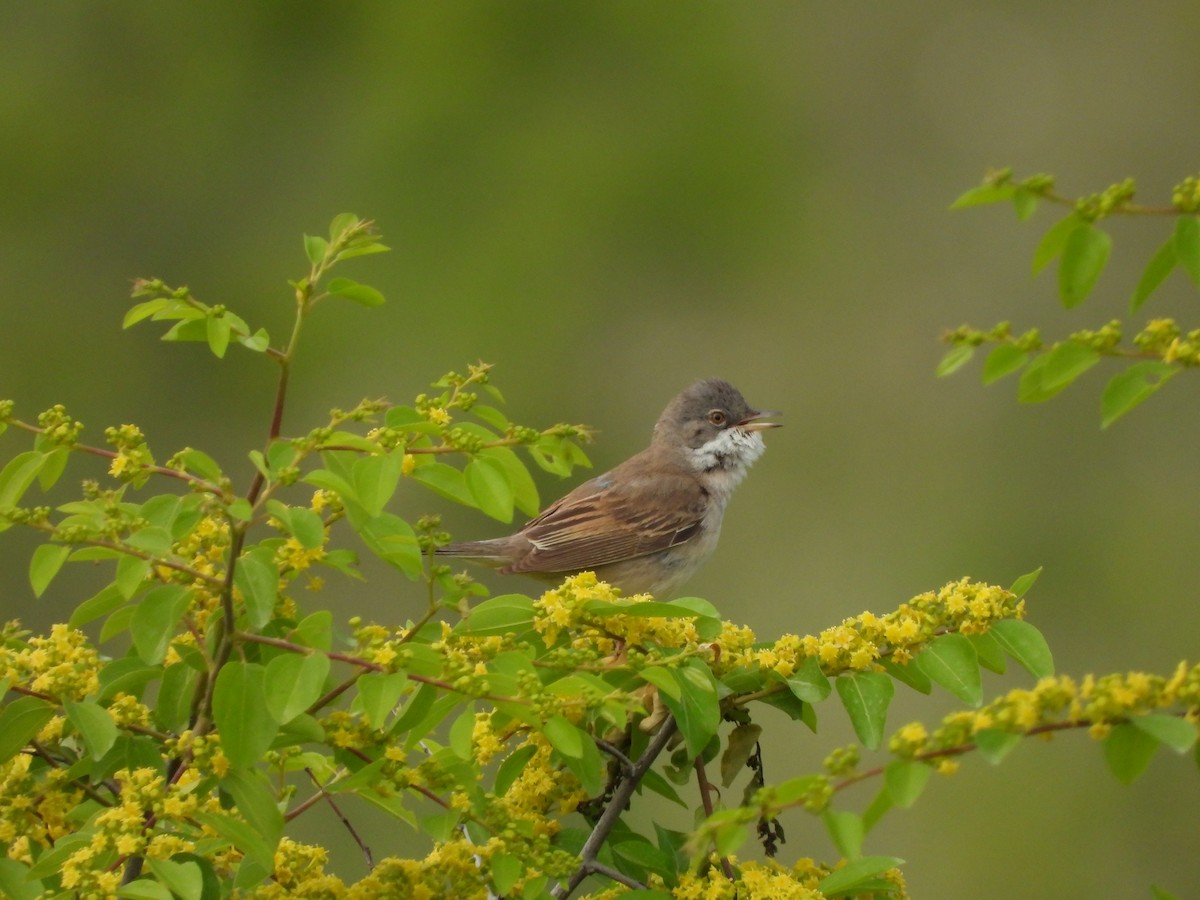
pixel 613 518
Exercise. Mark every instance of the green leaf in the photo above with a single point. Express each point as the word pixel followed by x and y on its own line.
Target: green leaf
pixel 1160 266
pixel 808 682
pixel 183 879
pixel 315 630
pixel 1177 733
pixel 1025 644
pixel 1128 751
pixel 1084 257
pixel 506 871
pixel 172 705
pixel 956 357
pixel 739 747
pixel 1127 389
pixel 990 653
pixel 19 722
pixel 866 696
pixel 697 711
pixel 340 224
pixel 293 682
pixel 315 248
pixel 1021 586
pixel 191 328
pixel 258 342
pixel 461 731
pixel 143 310
pixel 905 780
pixel 1025 203
pixel 300 522
pixel 652 781
pixel 17 476
pixel 331 481
pixel 642 856
pixel 846 830
pixel 375 479
pixel 1187 246
pixel 131 572
pixel 661 678
pixel 1053 241
pixel 984 194
pixel 445 480
pixel 487 480
pixel 508 613
pixel 391 539
pixel 845 881
pixel 1160 894
pixel 995 744
pixel 1053 371
pixel 362 294
pixel 52 467
pixel 239 708
pixel 876 810
pixel 15 886
pixel 951 661
pixel 257 577
pixel 257 804
pixel 47 559
pixel 94 724
pixel 241 835
pixel 154 540
pixel 154 619
pixel 524 490
pixel 218 331
pixel 512 766
pixel 908 674
pixel 378 693
pixel 563 736
pixel 1003 360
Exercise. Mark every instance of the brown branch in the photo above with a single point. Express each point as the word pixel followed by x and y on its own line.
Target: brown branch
pixel 194 480
pixel 608 819
pixel 706 791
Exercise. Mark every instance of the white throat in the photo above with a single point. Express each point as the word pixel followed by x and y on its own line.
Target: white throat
pixel 724 461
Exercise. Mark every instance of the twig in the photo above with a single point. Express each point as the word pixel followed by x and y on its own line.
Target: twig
pixel 366 851
pixel 706 792
pixel 604 826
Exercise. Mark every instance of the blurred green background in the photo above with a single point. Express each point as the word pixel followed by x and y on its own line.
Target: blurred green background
pixel 609 201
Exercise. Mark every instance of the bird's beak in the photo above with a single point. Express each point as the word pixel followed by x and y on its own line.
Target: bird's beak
pixel 753 422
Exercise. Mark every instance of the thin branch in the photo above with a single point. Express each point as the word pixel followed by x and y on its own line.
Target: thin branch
pixel 366 851
pixel 611 750
pixel 706 791
pixel 194 480
pixel 616 806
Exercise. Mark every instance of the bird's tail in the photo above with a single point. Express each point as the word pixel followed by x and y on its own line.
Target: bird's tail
pixel 484 552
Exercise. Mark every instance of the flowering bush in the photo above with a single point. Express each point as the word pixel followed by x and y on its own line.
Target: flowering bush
pixel 166 752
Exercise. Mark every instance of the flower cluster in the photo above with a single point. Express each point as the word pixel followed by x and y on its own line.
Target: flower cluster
pixel 133 456
pixel 963 606
pixel 1058 701
pixel 61 664
pixel 767 880
pixel 567 608
pixel 58 427
pixel 36 805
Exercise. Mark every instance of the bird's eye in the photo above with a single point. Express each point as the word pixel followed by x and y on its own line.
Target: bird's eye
pixel 717 417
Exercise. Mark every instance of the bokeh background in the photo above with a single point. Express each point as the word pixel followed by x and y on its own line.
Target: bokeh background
pixel 610 200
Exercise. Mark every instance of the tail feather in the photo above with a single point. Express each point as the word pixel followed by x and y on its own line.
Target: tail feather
pixel 489 553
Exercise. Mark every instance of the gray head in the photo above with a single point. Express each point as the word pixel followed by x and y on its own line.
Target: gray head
pixel 704 411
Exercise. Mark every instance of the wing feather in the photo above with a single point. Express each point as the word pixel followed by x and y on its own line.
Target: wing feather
pixel 612 518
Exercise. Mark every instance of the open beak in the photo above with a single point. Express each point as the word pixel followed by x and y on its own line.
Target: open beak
pixel 753 422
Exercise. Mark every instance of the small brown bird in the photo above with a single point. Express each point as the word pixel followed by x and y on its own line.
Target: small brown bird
pixel 649 524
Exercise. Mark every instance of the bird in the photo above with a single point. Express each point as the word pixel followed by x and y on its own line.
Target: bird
pixel 647 525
